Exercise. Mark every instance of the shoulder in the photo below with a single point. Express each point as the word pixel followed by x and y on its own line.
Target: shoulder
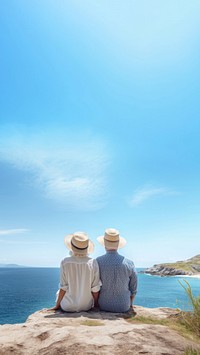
pixel 93 263
pixel 66 260
pixel 100 258
pixel 129 263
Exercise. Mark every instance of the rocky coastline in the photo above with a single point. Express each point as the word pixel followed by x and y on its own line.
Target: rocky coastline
pixel 162 270
pixel 190 267
pixel 51 333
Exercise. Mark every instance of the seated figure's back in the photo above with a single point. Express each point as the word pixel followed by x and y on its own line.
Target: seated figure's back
pixel 119 280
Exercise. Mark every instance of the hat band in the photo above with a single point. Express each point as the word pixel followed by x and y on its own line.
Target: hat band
pixel 77 247
pixel 111 241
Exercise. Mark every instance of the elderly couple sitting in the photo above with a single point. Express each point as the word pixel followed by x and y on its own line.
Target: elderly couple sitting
pixel 109 282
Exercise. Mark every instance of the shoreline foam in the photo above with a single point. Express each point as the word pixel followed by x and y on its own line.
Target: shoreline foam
pixel 191 276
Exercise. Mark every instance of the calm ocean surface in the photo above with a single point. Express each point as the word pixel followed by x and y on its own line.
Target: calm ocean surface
pixel 26 290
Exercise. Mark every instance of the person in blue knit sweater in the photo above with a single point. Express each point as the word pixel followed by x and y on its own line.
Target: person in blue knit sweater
pixel 117 273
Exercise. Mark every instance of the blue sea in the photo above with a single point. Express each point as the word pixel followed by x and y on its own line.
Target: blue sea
pixel 26 290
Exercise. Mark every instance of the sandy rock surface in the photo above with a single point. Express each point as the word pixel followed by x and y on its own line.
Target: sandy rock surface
pixel 51 333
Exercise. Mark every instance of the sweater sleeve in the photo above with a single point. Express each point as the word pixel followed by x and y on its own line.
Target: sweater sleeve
pixel 133 281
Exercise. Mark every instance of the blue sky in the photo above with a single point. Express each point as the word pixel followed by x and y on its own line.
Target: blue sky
pixel 99 127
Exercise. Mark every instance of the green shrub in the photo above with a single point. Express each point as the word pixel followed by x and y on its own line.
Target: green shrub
pixel 192 319
pixel 191 351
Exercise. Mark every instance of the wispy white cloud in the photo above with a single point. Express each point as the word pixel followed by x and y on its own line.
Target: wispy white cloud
pixel 13 231
pixel 23 242
pixel 67 167
pixel 146 192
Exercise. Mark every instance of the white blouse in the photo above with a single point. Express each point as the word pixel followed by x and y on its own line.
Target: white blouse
pixel 79 276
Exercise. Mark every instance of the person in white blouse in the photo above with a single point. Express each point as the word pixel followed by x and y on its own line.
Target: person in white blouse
pixel 79 276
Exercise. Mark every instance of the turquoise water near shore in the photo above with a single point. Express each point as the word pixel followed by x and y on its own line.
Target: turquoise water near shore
pixel 26 290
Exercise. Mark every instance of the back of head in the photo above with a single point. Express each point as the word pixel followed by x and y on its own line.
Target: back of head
pixel 79 244
pixel 111 239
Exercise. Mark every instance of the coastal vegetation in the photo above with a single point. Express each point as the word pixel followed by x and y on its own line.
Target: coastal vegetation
pixel 191 265
pixel 191 319
pixel 173 322
pixel 185 323
pixel 91 323
pixel 191 351
pixel 188 267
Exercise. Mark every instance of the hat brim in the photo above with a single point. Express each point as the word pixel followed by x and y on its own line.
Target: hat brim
pixel 89 250
pixel 122 242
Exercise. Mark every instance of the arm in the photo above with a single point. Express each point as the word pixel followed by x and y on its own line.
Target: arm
pixel 63 288
pixel 133 285
pixel 96 283
pixel 131 300
pixel 59 299
pixel 95 296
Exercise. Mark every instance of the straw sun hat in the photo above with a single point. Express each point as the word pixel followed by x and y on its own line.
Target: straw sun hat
pixel 112 239
pixel 79 242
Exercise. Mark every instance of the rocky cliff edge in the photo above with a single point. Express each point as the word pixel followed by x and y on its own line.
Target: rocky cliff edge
pixel 52 333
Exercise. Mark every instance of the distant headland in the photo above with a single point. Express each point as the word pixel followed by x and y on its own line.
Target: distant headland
pixel 190 267
pixel 12 265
